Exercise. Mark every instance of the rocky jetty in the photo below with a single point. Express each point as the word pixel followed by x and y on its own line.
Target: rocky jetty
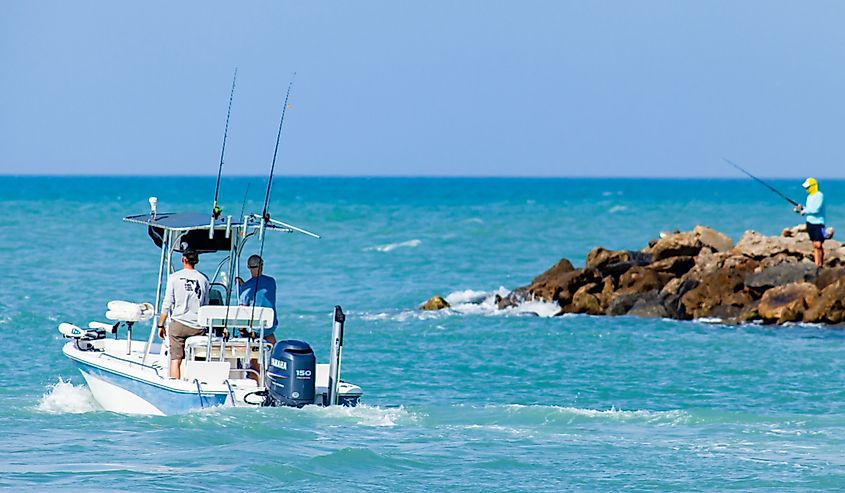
pixel 701 274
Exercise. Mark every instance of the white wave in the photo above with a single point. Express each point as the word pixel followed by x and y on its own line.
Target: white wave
pixel 66 398
pixel 393 246
pixel 365 415
pixel 709 320
pixel 674 417
pixel 466 296
pixel 476 220
pixel 617 208
pixel 471 302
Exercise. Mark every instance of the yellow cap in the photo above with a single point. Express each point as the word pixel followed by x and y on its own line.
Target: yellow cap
pixel 809 182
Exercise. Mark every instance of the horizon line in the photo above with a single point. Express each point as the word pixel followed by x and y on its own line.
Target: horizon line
pixel 394 176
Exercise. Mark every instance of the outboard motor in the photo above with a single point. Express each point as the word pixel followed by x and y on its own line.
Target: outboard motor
pixel 291 374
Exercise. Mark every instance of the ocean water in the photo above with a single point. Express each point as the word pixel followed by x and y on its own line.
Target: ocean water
pixel 467 399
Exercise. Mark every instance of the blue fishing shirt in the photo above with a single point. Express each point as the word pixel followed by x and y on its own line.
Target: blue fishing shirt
pixel 814 209
pixel 266 296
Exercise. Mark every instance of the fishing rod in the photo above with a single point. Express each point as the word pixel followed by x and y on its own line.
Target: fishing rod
pixel 243 205
pixel 215 210
pixel 773 189
pixel 265 216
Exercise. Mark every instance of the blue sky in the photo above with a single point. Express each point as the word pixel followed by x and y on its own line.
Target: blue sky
pixel 469 88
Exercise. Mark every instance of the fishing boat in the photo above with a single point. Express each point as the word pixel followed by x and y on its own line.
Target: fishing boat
pixel 131 376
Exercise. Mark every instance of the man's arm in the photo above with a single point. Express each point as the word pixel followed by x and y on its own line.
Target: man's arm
pixel 814 204
pixel 166 306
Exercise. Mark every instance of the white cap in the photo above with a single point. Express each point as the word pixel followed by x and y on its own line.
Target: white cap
pixel 806 183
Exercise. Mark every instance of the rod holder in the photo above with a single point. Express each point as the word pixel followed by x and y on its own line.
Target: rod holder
pixel 128 338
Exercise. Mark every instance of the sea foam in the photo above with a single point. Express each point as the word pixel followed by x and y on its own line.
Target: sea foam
pixel 67 398
pixel 393 246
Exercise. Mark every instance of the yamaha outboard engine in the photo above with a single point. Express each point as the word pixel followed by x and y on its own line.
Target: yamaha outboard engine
pixel 290 377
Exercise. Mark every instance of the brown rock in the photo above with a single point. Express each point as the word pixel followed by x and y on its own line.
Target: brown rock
pixel 435 303
pixel 740 263
pixel 719 289
pixel 829 306
pixel 778 259
pixel 834 253
pixel 758 246
pixel 673 265
pixel 672 287
pixel 608 287
pixel 787 303
pixel 600 257
pixel 586 300
pixel 513 298
pixel 648 305
pixel 829 276
pixel 677 245
pixel 551 276
pixel 710 238
pixel 621 303
pixel 780 275
pixel 640 280
pixel 749 313
pixel 547 285
pixel 705 263
pixel 561 284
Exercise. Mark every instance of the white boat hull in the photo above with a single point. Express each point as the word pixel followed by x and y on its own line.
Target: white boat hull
pixel 120 383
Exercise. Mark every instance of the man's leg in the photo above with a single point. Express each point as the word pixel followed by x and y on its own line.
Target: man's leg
pixel 253 363
pixel 176 368
pixel 818 253
pixel 179 333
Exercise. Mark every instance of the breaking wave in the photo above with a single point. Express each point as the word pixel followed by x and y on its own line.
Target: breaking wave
pixel 393 246
pixel 67 398
pixel 472 302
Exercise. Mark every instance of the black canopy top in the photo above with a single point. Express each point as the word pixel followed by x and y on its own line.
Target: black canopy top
pixel 193 225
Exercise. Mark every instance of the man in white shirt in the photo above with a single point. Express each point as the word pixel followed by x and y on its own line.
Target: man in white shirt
pixel 187 290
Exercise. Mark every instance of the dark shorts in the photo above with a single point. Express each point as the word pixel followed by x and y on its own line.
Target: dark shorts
pixel 816 232
pixel 179 333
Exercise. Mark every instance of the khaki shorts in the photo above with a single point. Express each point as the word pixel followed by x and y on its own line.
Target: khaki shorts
pixel 178 333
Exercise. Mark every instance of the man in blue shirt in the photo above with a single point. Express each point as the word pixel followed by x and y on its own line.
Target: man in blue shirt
pixel 262 290
pixel 265 287
pixel 814 212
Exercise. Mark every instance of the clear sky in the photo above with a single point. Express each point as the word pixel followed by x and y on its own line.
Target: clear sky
pixel 470 88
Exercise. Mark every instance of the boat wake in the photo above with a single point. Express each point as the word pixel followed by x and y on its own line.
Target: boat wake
pixel 365 415
pixel 393 246
pixel 571 414
pixel 66 398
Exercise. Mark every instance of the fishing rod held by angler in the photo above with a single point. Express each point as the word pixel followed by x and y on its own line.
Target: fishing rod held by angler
pixel 773 189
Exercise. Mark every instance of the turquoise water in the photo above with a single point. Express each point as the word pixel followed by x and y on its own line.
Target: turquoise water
pixel 469 399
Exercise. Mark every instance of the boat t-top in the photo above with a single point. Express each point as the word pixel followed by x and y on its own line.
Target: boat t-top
pixel 132 376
